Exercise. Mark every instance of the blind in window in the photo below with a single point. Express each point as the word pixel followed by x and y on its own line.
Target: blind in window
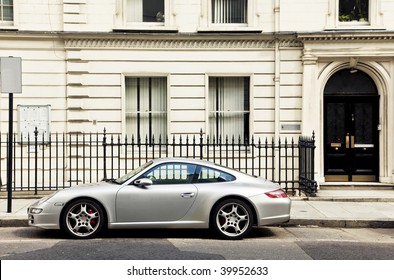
pixel 229 11
pixel 229 107
pixel 146 107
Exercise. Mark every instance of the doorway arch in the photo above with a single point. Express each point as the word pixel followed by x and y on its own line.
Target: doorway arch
pixel 351 117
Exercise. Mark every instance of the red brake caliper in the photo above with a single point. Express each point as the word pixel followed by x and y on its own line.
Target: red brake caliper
pixel 92 221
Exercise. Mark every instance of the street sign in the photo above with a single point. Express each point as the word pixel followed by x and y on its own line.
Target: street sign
pixel 11 74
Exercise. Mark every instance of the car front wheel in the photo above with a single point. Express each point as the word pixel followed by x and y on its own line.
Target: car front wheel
pixel 83 218
pixel 232 219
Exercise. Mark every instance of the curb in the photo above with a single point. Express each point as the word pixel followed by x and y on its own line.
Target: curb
pixel 324 223
pixel 340 223
pixel 14 223
pixel 344 199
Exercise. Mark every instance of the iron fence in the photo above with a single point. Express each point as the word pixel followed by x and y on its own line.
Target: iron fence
pixel 307 181
pixel 62 160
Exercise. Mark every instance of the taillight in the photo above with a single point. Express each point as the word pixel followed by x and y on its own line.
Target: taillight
pixel 276 194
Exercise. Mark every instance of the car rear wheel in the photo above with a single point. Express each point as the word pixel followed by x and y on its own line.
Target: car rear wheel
pixel 83 218
pixel 232 219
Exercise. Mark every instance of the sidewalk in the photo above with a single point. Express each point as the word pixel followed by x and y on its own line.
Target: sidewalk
pixel 331 208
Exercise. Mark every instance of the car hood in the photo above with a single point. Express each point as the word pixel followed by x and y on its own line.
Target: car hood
pixel 90 185
pixel 91 189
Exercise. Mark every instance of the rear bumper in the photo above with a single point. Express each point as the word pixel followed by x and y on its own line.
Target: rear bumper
pixel 274 220
pixel 273 211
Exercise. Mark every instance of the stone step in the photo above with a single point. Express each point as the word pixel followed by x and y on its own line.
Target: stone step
pixel 355 186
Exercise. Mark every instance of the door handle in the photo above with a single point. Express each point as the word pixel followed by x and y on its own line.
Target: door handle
pixel 187 195
pixel 349 141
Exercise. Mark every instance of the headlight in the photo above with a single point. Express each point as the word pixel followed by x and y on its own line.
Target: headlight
pixel 35 210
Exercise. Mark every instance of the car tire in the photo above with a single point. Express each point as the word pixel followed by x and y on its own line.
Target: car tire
pixel 82 219
pixel 232 219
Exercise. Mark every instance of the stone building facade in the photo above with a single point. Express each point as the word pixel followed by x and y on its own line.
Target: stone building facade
pixel 275 68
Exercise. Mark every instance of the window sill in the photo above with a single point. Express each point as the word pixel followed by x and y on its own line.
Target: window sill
pixel 7 26
pixel 354 27
pixel 145 28
pixel 230 29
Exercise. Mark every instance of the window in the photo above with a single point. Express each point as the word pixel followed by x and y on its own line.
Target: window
pixel 353 11
pixel 229 11
pixel 145 11
pixel 146 107
pixel 151 15
pixel 354 14
pixel 6 10
pixel 229 107
pixel 209 175
pixel 171 173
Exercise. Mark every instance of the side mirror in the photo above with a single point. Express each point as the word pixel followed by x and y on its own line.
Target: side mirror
pixel 143 182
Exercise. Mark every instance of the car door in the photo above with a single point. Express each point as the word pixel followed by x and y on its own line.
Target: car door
pixel 169 198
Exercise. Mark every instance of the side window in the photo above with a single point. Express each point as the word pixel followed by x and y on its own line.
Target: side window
pixel 171 173
pixel 210 175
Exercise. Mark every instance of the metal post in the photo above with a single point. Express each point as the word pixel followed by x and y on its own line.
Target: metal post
pixel 35 161
pixel 10 150
pixel 105 154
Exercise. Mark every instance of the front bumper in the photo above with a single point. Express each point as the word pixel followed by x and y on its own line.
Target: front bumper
pixel 48 218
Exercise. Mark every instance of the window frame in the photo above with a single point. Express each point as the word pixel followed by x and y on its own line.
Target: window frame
pixel 166 109
pixel 374 21
pixel 247 127
pixel 5 24
pixel 121 23
pixel 242 24
pixel 251 25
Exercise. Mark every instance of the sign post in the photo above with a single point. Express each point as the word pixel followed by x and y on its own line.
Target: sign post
pixel 10 83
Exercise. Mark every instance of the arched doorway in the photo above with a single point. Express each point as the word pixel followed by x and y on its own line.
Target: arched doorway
pixel 351 138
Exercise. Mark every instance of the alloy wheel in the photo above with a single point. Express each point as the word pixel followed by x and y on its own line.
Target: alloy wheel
pixel 233 219
pixel 83 219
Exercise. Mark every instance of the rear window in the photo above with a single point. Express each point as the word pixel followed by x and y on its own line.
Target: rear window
pixel 210 175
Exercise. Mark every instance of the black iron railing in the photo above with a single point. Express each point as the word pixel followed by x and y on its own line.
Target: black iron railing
pixel 307 181
pixel 62 160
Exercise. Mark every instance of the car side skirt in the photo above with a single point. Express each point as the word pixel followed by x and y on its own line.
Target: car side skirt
pixel 175 224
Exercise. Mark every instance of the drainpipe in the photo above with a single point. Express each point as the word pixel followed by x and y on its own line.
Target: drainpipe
pixel 277 71
pixel 277 84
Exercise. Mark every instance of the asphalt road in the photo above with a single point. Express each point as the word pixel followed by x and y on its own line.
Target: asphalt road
pixel 271 243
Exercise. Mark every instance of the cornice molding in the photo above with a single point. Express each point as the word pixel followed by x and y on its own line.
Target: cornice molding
pixel 346 36
pixel 168 44
pixel 178 44
pixel 94 40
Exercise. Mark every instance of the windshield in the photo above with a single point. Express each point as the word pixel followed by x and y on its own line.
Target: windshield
pixel 127 176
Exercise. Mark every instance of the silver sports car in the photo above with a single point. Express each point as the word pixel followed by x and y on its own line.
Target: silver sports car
pixel 166 193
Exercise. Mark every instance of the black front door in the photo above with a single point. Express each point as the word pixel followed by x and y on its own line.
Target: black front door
pixel 351 139
pixel 351 132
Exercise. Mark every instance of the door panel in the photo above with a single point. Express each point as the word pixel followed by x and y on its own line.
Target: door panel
pixel 154 203
pixel 336 161
pixel 351 138
pixel 169 198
